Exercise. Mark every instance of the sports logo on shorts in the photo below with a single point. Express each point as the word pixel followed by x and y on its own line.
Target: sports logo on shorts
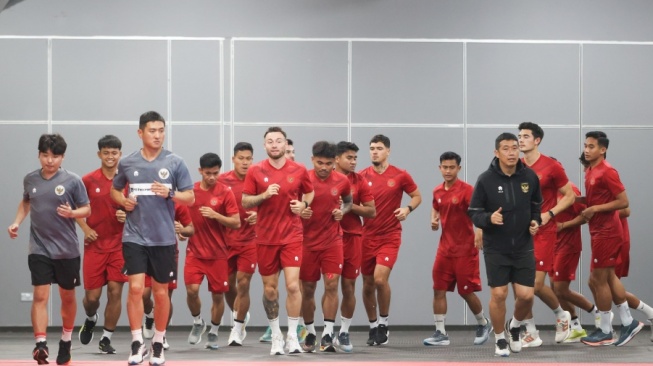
pixel 164 173
pixel 369 184
pixel 290 179
pixel 296 259
pixel 265 179
pixel 334 191
pixel 539 176
pixel 59 190
pixel 391 182
pixel 387 259
pixel 214 201
pixel 524 187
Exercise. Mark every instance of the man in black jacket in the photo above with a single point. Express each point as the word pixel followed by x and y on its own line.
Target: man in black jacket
pixel 506 206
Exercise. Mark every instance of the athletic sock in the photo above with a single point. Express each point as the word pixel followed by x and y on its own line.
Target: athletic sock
pixel 137 335
pixel 292 326
pixel 514 323
pixel 606 325
pixel 150 314
pixel 344 324
pixel 645 309
pixel 310 327
pixel 383 320
pixel 593 310
pixel 624 313
pixel 39 337
pixel 480 318
pixel 328 327
pixel 106 333
pixel 559 313
pixel 374 323
pixel 66 334
pixel 301 321
pixel 214 328
pixel 93 318
pixel 439 322
pixel 498 336
pixel 238 326
pixel 575 324
pixel 274 327
pixel 158 336
pixel 197 319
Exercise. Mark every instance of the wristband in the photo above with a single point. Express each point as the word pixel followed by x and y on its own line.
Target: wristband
pixel 306 203
pixel 410 208
pixel 551 213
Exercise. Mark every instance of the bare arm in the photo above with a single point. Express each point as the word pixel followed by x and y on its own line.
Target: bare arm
pixel 624 213
pixel 365 209
pixel 575 222
pixel 568 199
pixel 620 202
pixel 250 201
pixel 435 219
pixel 21 213
pixel 415 200
pixel 232 222
pixel 186 197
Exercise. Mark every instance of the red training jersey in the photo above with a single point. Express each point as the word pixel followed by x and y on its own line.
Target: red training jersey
pixel 552 177
pixel 360 192
pixel 103 214
pixel 602 185
pixel 387 189
pixel 457 238
pixel 246 234
pixel 276 224
pixel 321 231
pixel 569 240
pixel 182 214
pixel 209 242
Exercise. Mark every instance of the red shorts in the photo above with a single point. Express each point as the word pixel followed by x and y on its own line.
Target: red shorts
pixel 621 270
pixel 100 268
pixel 449 271
pixel 379 251
pixel 273 258
pixel 545 245
pixel 242 258
pixel 172 285
pixel 564 267
pixel 606 253
pixel 326 261
pixel 215 271
pixel 351 249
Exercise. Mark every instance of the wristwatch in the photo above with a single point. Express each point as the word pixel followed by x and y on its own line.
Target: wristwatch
pixel 171 194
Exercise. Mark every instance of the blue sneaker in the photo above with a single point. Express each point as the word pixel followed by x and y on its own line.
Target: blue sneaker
pixel 483 333
pixel 598 338
pixel 437 339
pixel 627 333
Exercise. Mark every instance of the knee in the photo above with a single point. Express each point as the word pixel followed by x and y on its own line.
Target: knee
pixel 331 287
pixel 270 293
pixel 192 293
pixel 243 286
pixel 380 282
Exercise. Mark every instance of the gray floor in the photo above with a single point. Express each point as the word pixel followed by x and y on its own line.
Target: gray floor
pixel 405 345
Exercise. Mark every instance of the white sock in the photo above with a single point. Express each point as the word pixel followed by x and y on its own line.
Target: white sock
pixel 214 328
pixel 137 335
pixel 645 309
pixel 559 313
pixel 383 320
pixel 529 323
pixel 301 321
pixel 93 318
pixel 575 324
pixel 374 324
pixel 66 334
pixel 344 325
pixel 480 318
pixel 328 328
pixel 158 336
pixel 106 333
pixel 624 313
pixel 197 319
pixel 274 326
pixel 439 322
pixel 238 326
pixel 234 315
pixel 292 326
pixel 606 326
pixel 498 336
pixel 311 329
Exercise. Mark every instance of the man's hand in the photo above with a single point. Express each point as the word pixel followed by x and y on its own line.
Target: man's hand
pixel 13 230
pixel 435 223
pixel 478 239
pixel 497 217
pixel 121 216
pixel 545 217
pixel 273 190
pixel 337 214
pixel 90 235
pixel 207 212
pixel 130 202
pixel 65 210
pixel 251 219
pixel 306 214
pixel 178 227
pixel 160 189
pixel 297 206
pixel 588 213
pixel 534 227
pixel 401 213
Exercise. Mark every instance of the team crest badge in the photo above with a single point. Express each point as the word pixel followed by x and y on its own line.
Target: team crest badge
pixel 524 187
pixel 592 181
pixel 391 183
pixel 214 201
pixel 290 179
pixel 164 173
pixel 334 191
pixel 59 190
pixel 454 200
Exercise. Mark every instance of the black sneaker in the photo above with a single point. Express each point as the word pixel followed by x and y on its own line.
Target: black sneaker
pixel 372 339
pixel 382 334
pixel 309 343
pixel 41 353
pixel 63 358
pixel 148 329
pixel 86 331
pixel 106 347
pixel 326 344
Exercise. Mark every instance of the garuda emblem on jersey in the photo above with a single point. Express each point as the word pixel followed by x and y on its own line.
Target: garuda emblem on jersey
pixel 454 200
pixel 59 190
pixel 524 187
pixel 214 201
pixel 291 179
pixel 334 191
pixel 164 173
pixel 391 182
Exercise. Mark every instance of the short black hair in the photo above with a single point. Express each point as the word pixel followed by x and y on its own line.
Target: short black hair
pixel 52 142
pixel 242 146
pixel 601 138
pixel 382 139
pixel 275 129
pixel 210 160
pixel 450 155
pixel 150 116
pixel 344 146
pixel 324 149
pixel 584 161
pixel 290 142
pixel 506 136
pixel 535 129
pixel 110 142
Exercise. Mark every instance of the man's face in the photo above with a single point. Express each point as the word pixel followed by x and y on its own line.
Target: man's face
pixel 323 166
pixel 508 153
pixel 526 141
pixel 153 135
pixel 209 175
pixel 347 161
pixel 109 157
pixel 275 145
pixel 449 170
pixel 50 162
pixel 290 152
pixel 593 151
pixel 242 161
pixel 378 153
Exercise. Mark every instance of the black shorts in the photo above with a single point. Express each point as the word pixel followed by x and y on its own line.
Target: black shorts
pixel 157 262
pixel 45 271
pixel 502 269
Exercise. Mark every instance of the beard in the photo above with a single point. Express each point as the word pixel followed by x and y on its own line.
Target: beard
pixel 278 156
pixel 376 163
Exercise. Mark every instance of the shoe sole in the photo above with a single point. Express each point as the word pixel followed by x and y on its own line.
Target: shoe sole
pixel 211 347
pixel 532 344
pixel 328 349
pixel 573 340
pixel 640 325
pixel 235 344
pixel 199 338
pixel 600 343
pixel 480 342
pixel 496 355
pixel 443 343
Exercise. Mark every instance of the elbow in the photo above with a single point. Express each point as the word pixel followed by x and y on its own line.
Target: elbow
pixel 373 213
pixel 235 224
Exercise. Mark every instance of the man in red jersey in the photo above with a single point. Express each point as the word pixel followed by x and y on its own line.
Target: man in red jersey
pixel 382 234
pixel 352 230
pixel 241 245
pixel 207 255
pixel 605 196
pixel 184 229
pixel 103 260
pixel 322 253
pixel 553 180
pixel 565 263
pixel 456 261
pixel 274 185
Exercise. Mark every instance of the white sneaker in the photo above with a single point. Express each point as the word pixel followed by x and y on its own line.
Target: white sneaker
pixel 166 346
pixel 292 345
pixel 235 338
pixel 138 353
pixel 148 328
pixel 277 345
pixel 531 340
pixel 501 348
pixel 514 340
pixel 562 327
pixel 156 357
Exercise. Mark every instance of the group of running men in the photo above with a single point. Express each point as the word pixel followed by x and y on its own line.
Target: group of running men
pixel 307 223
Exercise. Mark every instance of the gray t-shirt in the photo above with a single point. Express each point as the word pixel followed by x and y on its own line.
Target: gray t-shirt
pixel 52 235
pixel 152 222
